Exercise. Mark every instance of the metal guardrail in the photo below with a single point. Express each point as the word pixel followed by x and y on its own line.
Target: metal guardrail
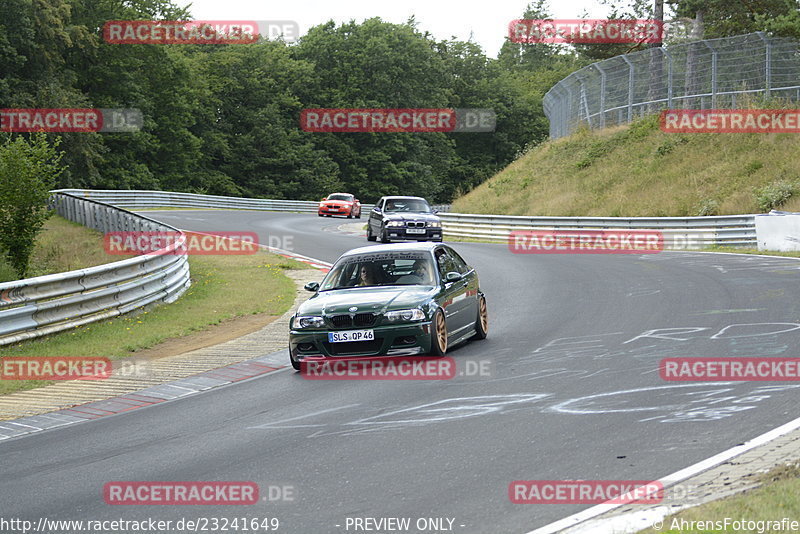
pixel 709 74
pixel 168 199
pixel 47 304
pixel 678 232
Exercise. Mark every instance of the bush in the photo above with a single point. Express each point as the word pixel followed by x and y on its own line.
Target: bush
pixel 708 207
pixel 28 169
pixel 775 194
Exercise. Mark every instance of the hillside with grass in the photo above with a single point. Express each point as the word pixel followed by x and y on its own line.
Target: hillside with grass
pixel 638 170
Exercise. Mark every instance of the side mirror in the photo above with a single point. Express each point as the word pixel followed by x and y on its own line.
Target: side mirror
pixel 434 211
pixel 376 209
pixel 453 276
pixel 323 199
pixel 311 286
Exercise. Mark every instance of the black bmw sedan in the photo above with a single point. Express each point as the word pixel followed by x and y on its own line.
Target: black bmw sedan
pixel 397 218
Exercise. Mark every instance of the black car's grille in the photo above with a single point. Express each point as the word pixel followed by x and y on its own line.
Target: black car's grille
pixel 415 224
pixel 364 319
pixel 342 321
pixel 354 347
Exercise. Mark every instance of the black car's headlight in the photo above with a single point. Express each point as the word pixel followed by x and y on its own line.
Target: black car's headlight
pixel 394 223
pixel 308 321
pixel 414 314
pixel 434 224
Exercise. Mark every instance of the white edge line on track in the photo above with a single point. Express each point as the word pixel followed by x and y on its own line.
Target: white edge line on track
pixel 675 477
pixel 594 511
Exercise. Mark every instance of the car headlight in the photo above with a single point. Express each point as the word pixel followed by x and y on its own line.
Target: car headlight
pixel 394 223
pixel 434 224
pixel 405 315
pixel 309 322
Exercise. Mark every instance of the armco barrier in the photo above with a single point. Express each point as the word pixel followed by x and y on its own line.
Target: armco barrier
pixel 679 232
pixel 167 199
pixel 47 304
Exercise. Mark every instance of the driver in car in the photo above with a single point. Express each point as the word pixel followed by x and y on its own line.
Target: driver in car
pixel 421 274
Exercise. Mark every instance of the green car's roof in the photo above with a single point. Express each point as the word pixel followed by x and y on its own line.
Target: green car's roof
pixel 425 246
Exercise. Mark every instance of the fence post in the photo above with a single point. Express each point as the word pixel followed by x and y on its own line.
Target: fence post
pixel 585 103
pixel 669 76
pixel 630 87
pixel 713 74
pixel 767 63
pixel 602 95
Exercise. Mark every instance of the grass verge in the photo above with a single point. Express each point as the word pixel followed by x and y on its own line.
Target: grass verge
pixel 223 288
pixel 62 246
pixel 638 170
pixel 777 498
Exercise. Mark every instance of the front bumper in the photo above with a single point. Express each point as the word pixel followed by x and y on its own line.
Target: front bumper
pixel 401 233
pixel 389 341
pixel 326 210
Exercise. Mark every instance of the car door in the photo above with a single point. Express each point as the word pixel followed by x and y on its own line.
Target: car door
pixel 455 294
pixel 472 284
pixel 376 218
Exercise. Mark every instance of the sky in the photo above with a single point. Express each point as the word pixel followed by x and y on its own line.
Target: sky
pixel 485 20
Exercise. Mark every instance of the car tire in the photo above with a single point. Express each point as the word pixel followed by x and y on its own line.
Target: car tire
pixel 350 215
pixel 384 235
pixel 319 214
pixel 438 334
pixel 359 214
pixel 370 237
pixel 295 364
pixel 482 321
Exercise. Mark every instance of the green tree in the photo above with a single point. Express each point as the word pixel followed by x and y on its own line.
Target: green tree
pixel 28 170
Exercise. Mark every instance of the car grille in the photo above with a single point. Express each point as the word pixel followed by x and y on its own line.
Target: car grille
pixel 364 319
pixel 415 224
pixel 342 321
pixel 346 321
pixel 354 347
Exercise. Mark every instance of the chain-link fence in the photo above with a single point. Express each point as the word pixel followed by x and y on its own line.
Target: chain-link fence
pixel 709 74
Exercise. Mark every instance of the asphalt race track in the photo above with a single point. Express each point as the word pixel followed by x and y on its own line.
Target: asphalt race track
pixel 574 393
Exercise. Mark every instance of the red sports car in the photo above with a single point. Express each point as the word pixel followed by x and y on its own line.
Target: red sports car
pixel 340 204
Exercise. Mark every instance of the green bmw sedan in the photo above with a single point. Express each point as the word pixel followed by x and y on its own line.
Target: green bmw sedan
pixel 390 300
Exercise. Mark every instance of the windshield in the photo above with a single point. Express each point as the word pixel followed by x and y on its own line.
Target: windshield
pixel 407 205
pixel 340 197
pixel 371 270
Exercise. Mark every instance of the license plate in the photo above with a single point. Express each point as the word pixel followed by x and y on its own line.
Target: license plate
pixel 351 335
pixel 415 230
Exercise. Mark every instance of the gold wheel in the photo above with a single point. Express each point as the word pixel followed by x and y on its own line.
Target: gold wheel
pixel 484 317
pixel 441 332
